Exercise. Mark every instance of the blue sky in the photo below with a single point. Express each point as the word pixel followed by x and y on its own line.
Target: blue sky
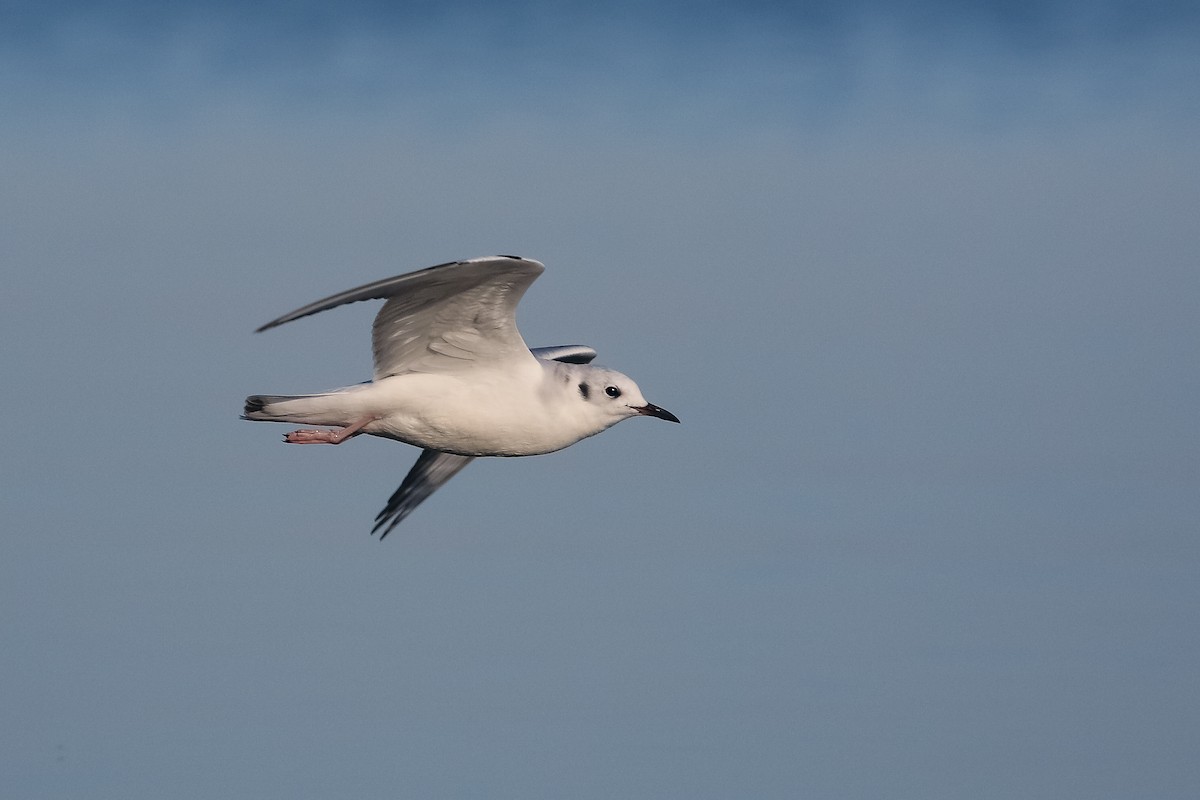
pixel 920 283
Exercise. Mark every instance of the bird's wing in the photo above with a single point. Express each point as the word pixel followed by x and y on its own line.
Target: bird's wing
pixel 432 469
pixel 566 353
pixel 443 318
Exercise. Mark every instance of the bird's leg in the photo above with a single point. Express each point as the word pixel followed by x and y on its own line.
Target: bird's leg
pixel 327 437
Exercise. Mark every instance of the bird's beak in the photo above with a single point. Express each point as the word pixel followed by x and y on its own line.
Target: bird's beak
pixel 651 410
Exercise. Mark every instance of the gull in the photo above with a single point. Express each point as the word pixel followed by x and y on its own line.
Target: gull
pixel 453 376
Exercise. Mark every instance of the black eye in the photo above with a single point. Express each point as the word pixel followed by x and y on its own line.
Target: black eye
pixel 612 391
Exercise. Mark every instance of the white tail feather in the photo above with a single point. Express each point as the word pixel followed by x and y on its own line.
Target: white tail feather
pixel 328 408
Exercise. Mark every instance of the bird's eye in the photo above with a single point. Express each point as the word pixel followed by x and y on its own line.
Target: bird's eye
pixel 612 391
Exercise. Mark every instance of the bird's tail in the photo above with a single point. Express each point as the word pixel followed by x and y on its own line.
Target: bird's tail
pixel 328 408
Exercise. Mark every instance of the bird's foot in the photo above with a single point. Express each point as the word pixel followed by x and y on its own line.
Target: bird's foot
pixel 336 436
pixel 315 437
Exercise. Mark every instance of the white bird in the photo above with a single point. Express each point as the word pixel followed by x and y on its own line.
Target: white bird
pixel 453 376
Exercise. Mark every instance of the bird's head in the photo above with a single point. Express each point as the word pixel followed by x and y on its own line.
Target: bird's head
pixel 610 397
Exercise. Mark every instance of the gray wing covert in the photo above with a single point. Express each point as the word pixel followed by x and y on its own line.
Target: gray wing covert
pixel 454 316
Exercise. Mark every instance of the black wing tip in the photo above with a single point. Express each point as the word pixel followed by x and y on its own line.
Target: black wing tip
pixel 391 515
pixel 275 323
pixel 385 521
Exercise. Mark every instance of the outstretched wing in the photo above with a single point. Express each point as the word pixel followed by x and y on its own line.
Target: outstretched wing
pixel 443 318
pixel 432 469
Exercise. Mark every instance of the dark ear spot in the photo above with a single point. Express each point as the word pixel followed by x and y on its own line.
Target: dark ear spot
pixel 583 390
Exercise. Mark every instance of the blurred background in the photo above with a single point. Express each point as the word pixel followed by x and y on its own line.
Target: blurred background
pixel 921 280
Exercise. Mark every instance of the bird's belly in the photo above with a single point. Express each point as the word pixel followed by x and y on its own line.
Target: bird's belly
pixel 479 418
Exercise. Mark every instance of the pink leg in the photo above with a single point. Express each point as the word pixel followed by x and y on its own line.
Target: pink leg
pixel 327 437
